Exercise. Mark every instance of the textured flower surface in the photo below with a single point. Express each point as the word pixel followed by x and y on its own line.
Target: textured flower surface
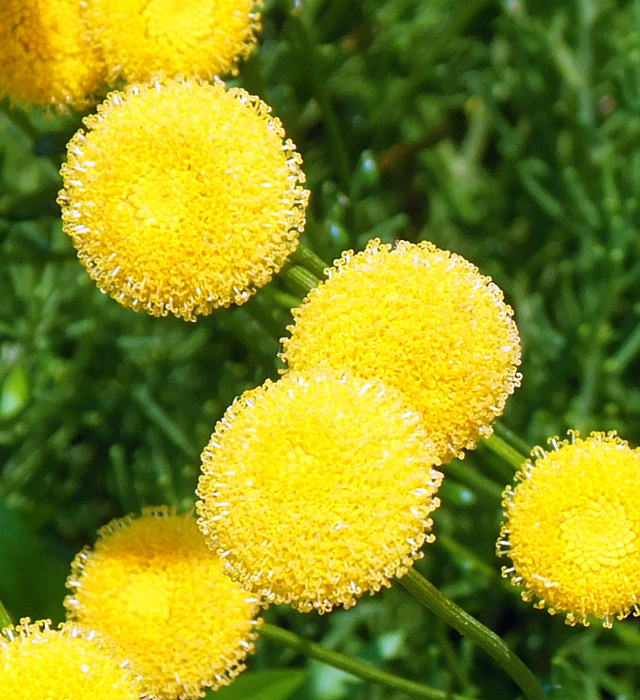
pixel 572 528
pixel 146 39
pixel 152 585
pixel 182 196
pixel 426 322
pixel 70 663
pixel 317 488
pixel 46 56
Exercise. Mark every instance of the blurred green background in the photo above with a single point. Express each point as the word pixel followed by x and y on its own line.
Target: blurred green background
pixel 506 132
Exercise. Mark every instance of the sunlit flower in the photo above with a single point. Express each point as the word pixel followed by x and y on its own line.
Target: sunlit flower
pixel 182 197
pixel 426 322
pixel 70 663
pixel 317 488
pixel 146 39
pixel 46 56
pixel 152 585
pixel 572 528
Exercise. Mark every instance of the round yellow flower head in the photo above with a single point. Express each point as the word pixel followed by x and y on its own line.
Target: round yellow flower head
pixel 46 56
pixel 71 662
pixel 572 528
pixel 426 322
pixel 152 585
pixel 146 39
pixel 317 488
pixel 182 196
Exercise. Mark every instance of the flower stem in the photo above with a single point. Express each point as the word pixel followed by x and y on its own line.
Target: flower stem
pixel 427 594
pixel 299 279
pixel 5 618
pixel 355 668
pixel 503 450
pixel 307 258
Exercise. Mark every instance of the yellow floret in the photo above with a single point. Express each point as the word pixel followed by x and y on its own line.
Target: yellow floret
pixel 152 585
pixel 182 197
pixel 317 488
pixel 572 528
pixel 426 322
pixel 146 39
pixel 70 663
pixel 46 56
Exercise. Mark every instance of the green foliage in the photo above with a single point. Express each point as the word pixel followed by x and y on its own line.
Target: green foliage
pixel 509 133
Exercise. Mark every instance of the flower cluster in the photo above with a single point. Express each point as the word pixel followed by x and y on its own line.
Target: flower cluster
pixel 146 584
pixel 317 488
pixel 46 55
pixel 71 662
pixel 426 322
pixel 572 528
pixel 182 196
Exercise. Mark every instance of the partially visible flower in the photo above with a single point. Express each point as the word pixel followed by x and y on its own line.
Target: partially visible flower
pixel 426 322
pixel 46 56
pixel 182 196
pixel 71 662
pixel 152 585
pixel 318 488
pixel 147 39
pixel 572 528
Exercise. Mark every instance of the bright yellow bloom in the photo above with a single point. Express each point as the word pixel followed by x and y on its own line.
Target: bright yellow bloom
pixel 572 528
pixel 182 197
pixel 427 323
pixel 151 584
pixel 146 39
pixel 70 663
pixel 317 488
pixel 46 56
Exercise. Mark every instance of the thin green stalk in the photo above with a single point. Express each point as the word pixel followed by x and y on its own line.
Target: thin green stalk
pixel 427 594
pixel 5 618
pixel 299 279
pixel 508 454
pixel 318 83
pixel 307 258
pixel 511 438
pixel 464 472
pixel 355 668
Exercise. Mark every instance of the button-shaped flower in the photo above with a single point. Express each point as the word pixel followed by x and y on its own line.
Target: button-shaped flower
pixel 152 585
pixel 46 56
pixel 71 662
pixel 572 528
pixel 318 488
pixel 146 39
pixel 182 196
pixel 426 322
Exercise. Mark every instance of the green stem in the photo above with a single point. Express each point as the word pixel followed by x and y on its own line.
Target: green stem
pixel 5 618
pixel 299 279
pixel 503 450
pixel 427 594
pixel 307 258
pixel 464 472
pixel 355 668
pixel 312 61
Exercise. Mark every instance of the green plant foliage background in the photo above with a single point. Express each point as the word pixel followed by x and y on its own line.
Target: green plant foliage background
pixel 507 132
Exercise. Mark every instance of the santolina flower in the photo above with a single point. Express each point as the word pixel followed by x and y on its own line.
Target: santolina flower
pixel 71 662
pixel 146 39
pixel 182 196
pixel 151 584
pixel 572 528
pixel 46 56
pixel 317 488
pixel 426 322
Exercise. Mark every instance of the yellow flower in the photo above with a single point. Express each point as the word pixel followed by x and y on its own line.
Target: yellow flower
pixel 572 528
pixel 46 56
pixel 317 488
pixel 151 585
pixel 146 39
pixel 182 197
pixel 72 662
pixel 427 323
